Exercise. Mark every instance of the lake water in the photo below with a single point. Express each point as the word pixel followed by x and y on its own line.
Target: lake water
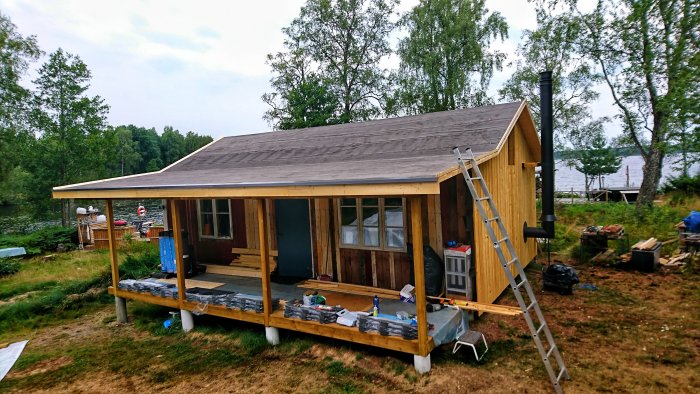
pixel 566 178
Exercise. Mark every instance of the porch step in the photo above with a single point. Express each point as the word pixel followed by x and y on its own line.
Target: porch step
pixel 231 270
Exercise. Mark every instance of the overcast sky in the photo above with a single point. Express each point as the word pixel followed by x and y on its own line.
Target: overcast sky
pixel 196 66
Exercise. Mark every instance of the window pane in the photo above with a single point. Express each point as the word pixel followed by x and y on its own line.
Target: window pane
pixel 223 224
pixel 221 206
pixel 205 205
pixel 368 202
pixel 348 216
pixel 348 235
pixel 393 217
pixel 207 224
pixel 370 236
pixel 394 237
pixel 348 202
pixel 370 217
pixel 393 202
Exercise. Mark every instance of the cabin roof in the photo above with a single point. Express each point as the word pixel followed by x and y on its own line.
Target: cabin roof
pixel 404 150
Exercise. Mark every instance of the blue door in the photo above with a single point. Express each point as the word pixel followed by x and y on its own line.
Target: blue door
pixel 293 238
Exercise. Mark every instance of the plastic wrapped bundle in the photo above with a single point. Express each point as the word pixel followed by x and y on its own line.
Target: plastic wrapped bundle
pixel 387 327
pixel 149 286
pixel 319 313
pixel 248 302
pixel 210 296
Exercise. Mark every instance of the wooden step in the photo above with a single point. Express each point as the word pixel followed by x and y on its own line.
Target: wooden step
pixel 231 270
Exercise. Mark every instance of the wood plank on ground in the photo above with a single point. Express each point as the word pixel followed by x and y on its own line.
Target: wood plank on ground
pixel 190 283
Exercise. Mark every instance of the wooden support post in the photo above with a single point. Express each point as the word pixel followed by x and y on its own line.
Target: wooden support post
pixel 179 263
pixel 112 246
pixel 264 260
pixel 417 236
pixel 119 302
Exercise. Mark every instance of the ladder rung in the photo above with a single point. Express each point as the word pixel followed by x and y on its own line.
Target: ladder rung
pixel 519 285
pixel 511 262
pixel 493 219
pixel 561 374
pixel 540 329
pixel 474 177
pixel 504 239
pixel 531 305
pixel 483 198
pixel 551 350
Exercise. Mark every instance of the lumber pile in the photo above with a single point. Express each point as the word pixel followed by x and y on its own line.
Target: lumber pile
pixel 604 256
pixel 648 244
pixel 349 288
pixel 676 260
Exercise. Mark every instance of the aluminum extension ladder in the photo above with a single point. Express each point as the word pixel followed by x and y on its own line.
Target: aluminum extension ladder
pixel 547 348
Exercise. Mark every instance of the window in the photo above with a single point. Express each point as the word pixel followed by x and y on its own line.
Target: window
pixel 214 218
pixel 372 223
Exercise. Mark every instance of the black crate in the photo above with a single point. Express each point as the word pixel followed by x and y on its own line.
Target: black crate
pixel 646 260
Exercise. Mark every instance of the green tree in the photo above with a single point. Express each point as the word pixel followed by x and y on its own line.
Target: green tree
pixel 16 53
pixel 647 52
pixel 126 151
pixel 445 59
pixel 148 147
pixel 172 146
pixel 551 47
pixel 194 141
pixel 70 126
pixel 593 155
pixel 341 43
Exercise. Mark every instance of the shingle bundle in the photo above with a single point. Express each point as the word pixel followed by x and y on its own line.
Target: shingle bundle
pixel 150 286
pixel 319 313
pixel 209 296
pixel 387 327
pixel 248 302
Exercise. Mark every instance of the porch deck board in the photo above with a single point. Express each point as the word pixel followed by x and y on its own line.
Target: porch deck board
pixel 445 322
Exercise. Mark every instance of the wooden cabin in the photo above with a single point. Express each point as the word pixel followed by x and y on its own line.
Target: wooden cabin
pixel 350 204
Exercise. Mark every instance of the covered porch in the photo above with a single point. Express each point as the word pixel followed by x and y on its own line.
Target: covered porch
pixel 432 329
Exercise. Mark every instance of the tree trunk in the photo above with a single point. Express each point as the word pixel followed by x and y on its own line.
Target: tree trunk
pixel 651 177
pixel 65 214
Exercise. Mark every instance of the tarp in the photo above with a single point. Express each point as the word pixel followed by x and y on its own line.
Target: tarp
pixel 12 252
pixel 692 222
pixel 8 357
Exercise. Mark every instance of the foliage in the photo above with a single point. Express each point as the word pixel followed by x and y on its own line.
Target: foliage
pixel 70 126
pixel 445 60
pixel 141 260
pixel 45 240
pixel 551 47
pixel 647 52
pixel 594 157
pixel 172 145
pixel 331 61
pixel 16 53
pixel 8 267
pixel 685 184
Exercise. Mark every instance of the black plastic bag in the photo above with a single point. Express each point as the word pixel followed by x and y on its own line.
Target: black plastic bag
pixel 560 277
pixel 434 270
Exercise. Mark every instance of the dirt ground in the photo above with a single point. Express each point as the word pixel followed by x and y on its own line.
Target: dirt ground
pixel 636 333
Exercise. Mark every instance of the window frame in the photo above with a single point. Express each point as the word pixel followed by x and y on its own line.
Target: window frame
pixel 214 213
pixel 382 227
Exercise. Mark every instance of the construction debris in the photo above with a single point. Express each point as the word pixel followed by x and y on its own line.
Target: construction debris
pixel 649 244
pixel 675 260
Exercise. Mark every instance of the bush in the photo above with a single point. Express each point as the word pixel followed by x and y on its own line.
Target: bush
pixel 141 260
pixel 8 267
pixel 45 240
pixel 686 184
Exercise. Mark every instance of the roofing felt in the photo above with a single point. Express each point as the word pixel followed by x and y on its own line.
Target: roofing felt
pixel 396 150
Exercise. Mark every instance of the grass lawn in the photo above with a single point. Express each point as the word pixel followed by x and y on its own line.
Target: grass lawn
pixel 636 333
